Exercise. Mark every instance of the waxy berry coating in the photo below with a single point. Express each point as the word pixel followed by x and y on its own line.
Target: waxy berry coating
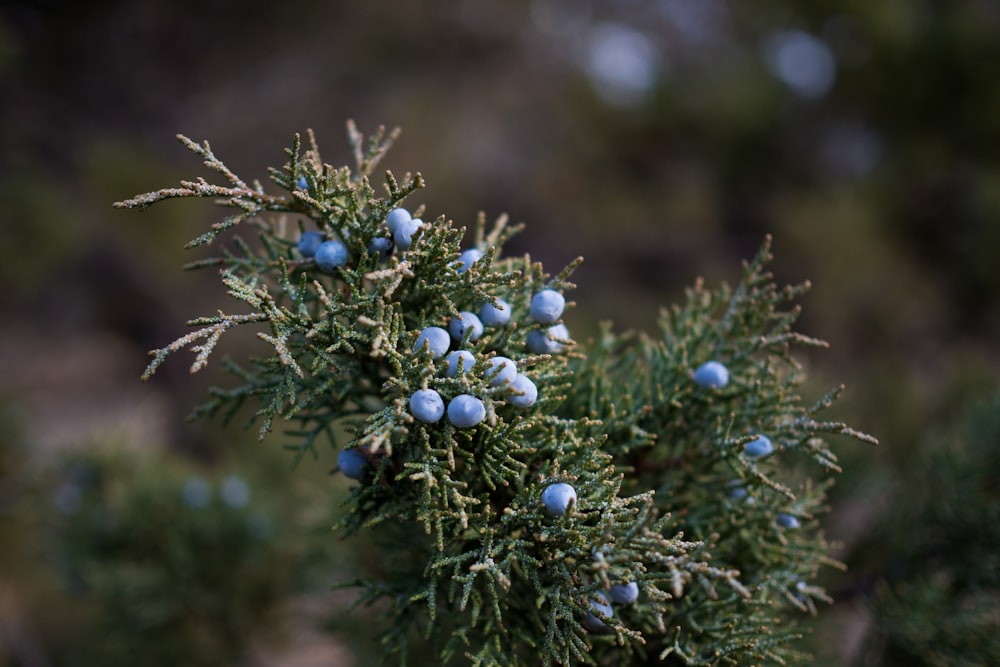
pixel 755 449
pixel 787 521
pixel 309 243
pixel 495 316
pixel 405 231
pixel 396 216
pixel 711 374
pixel 558 497
pixel 301 183
pixel 463 357
pixel 542 341
pixel 465 411
pixel 468 258
pixel 547 306
pixel 600 604
pixel 466 325
pixel 352 463
pixel 523 392
pixel 330 255
pixel 624 593
pixel 501 371
pixel 427 405
pixel 436 338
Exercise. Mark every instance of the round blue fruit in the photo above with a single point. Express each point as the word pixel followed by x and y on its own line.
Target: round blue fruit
pixel 465 411
pixel 523 392
pixel 711 374
pixel 382 246
pixel 759 447
pixel 558 497
pixel 495 316
pixel 465 326
pixel 787 521
pixel 599 604
pixel 352 463
pixel 468 258
pixel 459 358
pixel 396 216
pixel 309 243
pixel 501 371
pixel 405 231
pixel 301 183
pixel 624 593
pixel 330 255
pixel 547 306
pixel 436 339
pixel 547 341
pixel 427 405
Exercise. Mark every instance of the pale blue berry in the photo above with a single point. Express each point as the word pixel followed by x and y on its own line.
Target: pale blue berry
pixel 788 521
pixel 736 490
pixel 547 306
pixel 468 258
pixel 405 231
pixel 523 392
pixel 352 463
pixel 501 371
pixel 396 216
pixel 624 593
pixel 601 605
pixel 466 325
pixel 301 183
pixel 459 358
pixel 711 374
pixel 558 497
pixel 547 341
pixel 382 246
pixel 309 243
pixel 465 411
pixel 495 316
pixel 330 255
pixel 427 405
pixel 436 339
pixel 234 491
pixel 755 449
pixel 196 492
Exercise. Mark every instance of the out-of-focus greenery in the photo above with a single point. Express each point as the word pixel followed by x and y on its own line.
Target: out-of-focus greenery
pixel 882 190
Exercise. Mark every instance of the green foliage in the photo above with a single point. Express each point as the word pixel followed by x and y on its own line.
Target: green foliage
pixel 166 566
pixel 472 563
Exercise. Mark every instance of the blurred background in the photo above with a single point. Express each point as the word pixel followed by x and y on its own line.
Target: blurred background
pixel 659 139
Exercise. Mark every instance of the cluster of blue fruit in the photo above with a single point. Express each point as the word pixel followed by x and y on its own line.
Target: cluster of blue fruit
pixel 427 405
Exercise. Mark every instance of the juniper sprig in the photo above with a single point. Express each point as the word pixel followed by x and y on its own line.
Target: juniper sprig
pixel 660 491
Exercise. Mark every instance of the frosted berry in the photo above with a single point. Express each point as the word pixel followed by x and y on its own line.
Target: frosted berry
pixel 330 255
pixel 558 497
pixel 711 374
pixel 787 521
pixel 468 258
pixel 547 306
pixel 624 593
pixel 495 316
pixel 758 448
pixel 309 243
pixel 405 231
pixel 523 392
pixel 601 605
pixel 396 216
pixel 501 371
pixel 466 325
pixel 459 358
pixel 301 183
pixel 234 491
pixel 437 340
pixel 736 491
pixel 465 411
pixel 427 405
pixel 382 246
pixel 544 341
pixel 352 463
